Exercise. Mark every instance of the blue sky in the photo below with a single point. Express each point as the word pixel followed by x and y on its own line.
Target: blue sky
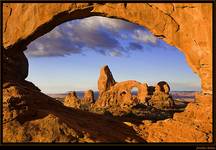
pixel 71 55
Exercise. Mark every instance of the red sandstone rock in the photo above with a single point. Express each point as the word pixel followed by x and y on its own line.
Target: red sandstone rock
pixel 118 99
pixel 188 126
pixel 87 100
pixel 175 23
pixel 160 97
pixel 71 100
pixel 164 87
pixel 106 80
pixel 88 97
pixel 31 116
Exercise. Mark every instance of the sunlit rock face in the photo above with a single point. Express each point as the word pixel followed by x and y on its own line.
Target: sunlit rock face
pixel 119 97
pixel 31 116
pixel 88 100
pixel 71 100
pixel 84 103
pixel 160 98
pixel 186 26
pixel 106 80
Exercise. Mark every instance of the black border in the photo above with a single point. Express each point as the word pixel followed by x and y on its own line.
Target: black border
pixel 111 1
pixel 197 145
pixel 1 109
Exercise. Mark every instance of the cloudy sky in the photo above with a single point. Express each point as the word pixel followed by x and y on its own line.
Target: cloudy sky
pixel 71 55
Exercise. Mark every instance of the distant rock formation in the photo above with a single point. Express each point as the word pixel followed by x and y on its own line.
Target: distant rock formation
pixel 118 99
pixel 161 99
pixel 87 100
pixel 88 97
pixel 85 103
pixel 71 100
pixel 164 87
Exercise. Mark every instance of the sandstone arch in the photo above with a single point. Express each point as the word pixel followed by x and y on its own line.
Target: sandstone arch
pixel 142 89
pixel 175 23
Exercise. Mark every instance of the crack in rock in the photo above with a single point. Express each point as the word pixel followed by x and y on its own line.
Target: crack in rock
pixel 164 27
pixel 160 36
pixel 168 14
pixel 185 7
pixel 10 12
pixel 178 26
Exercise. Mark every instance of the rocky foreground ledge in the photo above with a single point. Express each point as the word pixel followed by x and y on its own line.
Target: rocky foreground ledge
pixel 31 116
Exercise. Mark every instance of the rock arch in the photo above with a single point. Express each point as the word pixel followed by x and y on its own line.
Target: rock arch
pixel 187 26
pixel 127 86
pixel 174 23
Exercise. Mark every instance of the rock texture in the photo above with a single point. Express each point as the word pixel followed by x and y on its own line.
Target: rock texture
pixel 106 80
pixel 160 97
pixel 118 99
pixel 31 116
pixel 88 97
pixel 71 100
pixel 24 106
pixel 192 125
pixel 161 100
pixel 87 100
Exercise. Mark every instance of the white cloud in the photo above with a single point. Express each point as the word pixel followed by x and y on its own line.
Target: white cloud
pixel 96 22
pixel 99 34
pixel 115 53
pixel 144 36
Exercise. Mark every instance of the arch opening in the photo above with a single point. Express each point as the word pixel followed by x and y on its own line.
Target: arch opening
pixel 77 39
pixel 123 93
pixel 134 91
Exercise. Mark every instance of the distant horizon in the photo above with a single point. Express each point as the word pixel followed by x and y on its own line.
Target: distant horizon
pixel 97 91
